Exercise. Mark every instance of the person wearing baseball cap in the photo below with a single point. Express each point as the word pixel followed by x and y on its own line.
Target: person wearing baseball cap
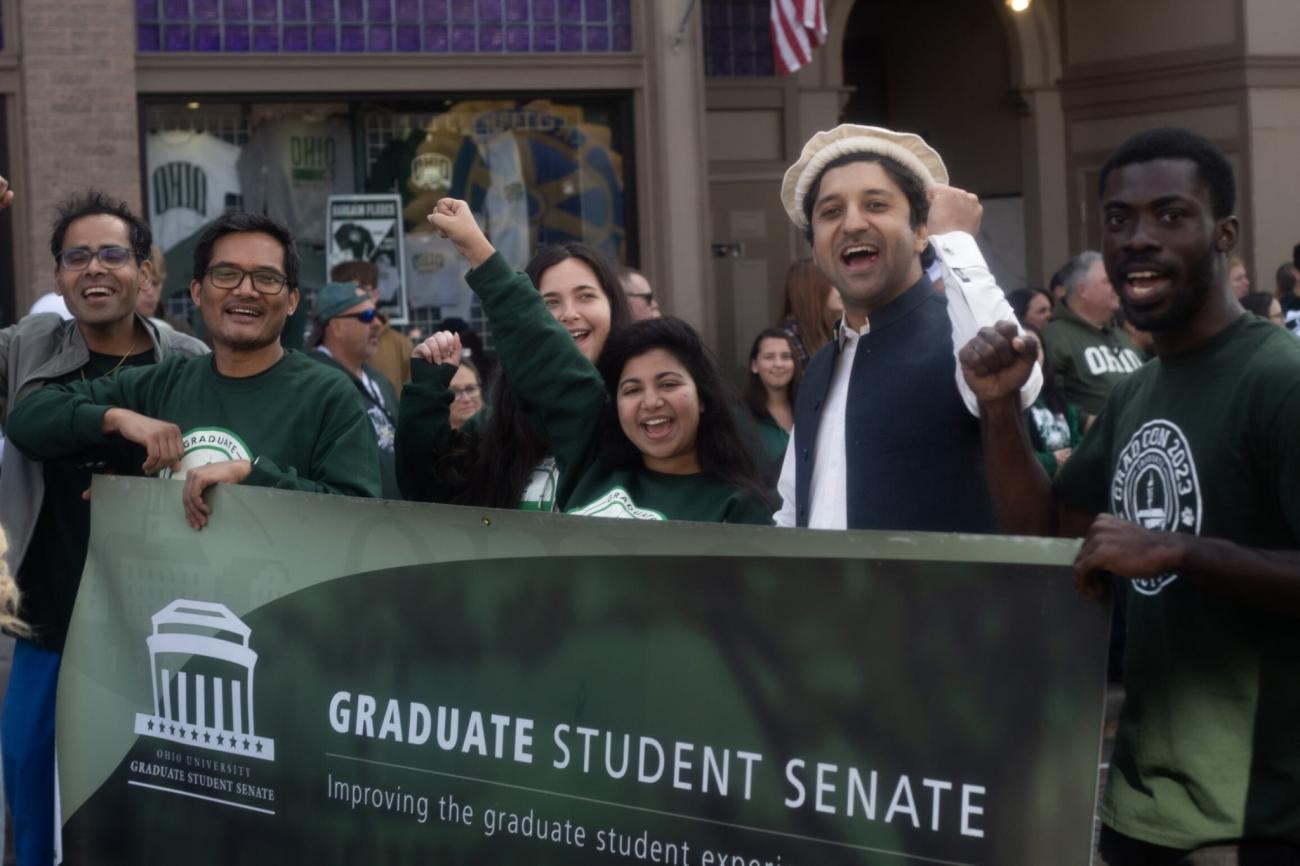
pixel 886 432
pixel 345 335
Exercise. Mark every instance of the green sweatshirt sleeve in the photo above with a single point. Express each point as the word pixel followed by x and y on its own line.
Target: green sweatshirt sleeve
pixel 554 384
pixel 424 431
pixel 744 508
pixel 345 459
pixel 60 421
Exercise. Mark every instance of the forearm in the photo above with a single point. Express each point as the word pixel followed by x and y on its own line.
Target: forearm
pixel 1268 578
pixel 364 482
pixel 53 423
pixel 423 430
pixel 1021 492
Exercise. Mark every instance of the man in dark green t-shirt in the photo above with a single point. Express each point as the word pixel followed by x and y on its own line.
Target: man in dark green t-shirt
pixel 1191 468
pixel 253 412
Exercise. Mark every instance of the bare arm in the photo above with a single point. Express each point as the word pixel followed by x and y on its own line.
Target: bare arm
pixel 996 363
pixel 1266 578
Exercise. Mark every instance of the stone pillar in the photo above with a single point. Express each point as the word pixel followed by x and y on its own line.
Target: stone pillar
pixel 80 118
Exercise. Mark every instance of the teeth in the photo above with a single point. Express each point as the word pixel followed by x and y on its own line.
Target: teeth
pixel 1143 275
pixel 96 291
pixel 656 422
pixel 860 248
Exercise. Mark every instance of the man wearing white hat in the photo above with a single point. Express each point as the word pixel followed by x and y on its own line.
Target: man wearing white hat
pixel 886 430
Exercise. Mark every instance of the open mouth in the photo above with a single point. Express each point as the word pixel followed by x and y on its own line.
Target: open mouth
pixel 657 429
pixel 580 336
pixel 859 257
pixel 1144 285
pixel 95 293
pixel 242 313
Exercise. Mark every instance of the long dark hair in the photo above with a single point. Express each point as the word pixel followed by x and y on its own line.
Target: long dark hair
pixel 723 450
pixel 493 469
pixel 806 292
pixel 755 391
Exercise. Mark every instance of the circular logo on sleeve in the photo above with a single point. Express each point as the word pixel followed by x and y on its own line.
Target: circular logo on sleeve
pixel 204 445
pixel 1155 486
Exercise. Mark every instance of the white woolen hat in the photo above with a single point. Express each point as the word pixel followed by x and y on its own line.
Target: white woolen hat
pixel 905 148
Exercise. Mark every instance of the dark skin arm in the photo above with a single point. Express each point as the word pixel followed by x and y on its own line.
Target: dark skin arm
pixel 996 363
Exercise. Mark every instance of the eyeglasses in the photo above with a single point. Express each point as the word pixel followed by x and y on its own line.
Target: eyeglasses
pixel 79 258
pixel 468 392
pixel 365 317
pixel 231 277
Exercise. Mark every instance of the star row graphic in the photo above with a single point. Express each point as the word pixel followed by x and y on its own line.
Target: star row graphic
pixel 203 737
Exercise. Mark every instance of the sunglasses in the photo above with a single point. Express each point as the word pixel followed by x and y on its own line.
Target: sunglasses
pixel 79 258
pixel 365 317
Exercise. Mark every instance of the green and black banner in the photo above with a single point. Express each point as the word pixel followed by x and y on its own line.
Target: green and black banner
pixel 322 680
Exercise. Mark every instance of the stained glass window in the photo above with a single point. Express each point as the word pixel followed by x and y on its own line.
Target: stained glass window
pixel 385 26
pixel 737 38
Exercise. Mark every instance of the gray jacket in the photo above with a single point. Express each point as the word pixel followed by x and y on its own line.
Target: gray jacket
pixel 32 352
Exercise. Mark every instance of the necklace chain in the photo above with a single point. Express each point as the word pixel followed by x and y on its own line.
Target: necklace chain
pixel 120 361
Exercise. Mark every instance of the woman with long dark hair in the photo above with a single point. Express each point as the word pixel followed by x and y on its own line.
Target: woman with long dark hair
pixel 770 392
pixel 811 307
pixel 499 459
pixel 649 433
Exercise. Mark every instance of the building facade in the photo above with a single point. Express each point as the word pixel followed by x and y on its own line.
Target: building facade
pixel 654 129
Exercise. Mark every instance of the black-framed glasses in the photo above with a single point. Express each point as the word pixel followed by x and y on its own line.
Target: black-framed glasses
pixel 365 317
pixel 230 277
pixel 468 392
pixel 79 258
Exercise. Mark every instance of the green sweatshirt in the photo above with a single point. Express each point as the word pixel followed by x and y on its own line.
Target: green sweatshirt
pixel 562 395
pixel 301 425
pixel 1088 361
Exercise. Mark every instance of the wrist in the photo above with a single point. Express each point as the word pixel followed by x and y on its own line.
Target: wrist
pixel 111 422
pixel 479 251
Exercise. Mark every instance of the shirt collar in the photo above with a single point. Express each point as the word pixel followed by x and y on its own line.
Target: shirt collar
pixel 890 313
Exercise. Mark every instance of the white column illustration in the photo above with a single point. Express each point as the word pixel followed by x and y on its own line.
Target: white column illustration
pixel 201 668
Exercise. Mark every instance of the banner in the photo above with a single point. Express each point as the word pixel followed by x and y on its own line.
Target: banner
pixel 368 228
pixel 315 679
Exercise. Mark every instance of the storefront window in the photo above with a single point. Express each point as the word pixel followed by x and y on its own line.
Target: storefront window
pixel 737 38
pixel 535 172
pixel 437 26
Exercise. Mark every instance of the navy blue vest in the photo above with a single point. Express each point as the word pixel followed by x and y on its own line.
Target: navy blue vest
pixel 913 451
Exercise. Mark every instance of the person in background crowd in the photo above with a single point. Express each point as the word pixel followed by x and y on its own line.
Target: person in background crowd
pixel 1186 490
pixel 345 336
pixel 650 435
pixel 770 394
pixel 1288 295
pixel 1237 277
pixel 499 459
pixel 870 201
pixel 150 296
pixel 471 347
pixel 1056 288
pixel 812 306
pixel 1264 305
pixel 641 301
pixel 392 356
pixel 1053 424
pixel 253 413
pixel 1085 348
pixel 466 393
pixel 101 258
pixel 1033 308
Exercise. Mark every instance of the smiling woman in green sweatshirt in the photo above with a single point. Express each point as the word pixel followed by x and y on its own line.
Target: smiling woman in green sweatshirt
pixel 649 434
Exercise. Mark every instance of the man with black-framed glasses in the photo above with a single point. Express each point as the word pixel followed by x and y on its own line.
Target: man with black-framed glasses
pixel 345 335
pixel 100 251
pixel 254 413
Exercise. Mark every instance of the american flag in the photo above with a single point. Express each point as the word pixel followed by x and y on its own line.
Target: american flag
pixel 798 26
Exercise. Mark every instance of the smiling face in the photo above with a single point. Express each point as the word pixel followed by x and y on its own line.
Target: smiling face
pixel 468 396
pixel 1163 248
pixel 1239 280
pixel 774 363
pixel 574 297
pixel 863 239
pixel 659 411
pixel 243 318
pixel 99 296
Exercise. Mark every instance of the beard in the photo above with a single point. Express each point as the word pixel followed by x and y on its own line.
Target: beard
pixel 1199 280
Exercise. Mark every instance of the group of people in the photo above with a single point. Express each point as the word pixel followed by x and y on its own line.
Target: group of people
pixel 894 395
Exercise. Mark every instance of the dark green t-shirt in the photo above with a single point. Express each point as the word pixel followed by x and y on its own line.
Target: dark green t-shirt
pixel 51 569
pixel 1206 443
pixel 302 425
pixel 641 494
pixel 1088 361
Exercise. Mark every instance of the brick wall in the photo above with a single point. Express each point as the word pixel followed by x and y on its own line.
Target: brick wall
pixel 79 112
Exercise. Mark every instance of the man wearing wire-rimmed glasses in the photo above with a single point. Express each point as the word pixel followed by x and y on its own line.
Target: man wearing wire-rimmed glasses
pixel 254 413
pixel 100 251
